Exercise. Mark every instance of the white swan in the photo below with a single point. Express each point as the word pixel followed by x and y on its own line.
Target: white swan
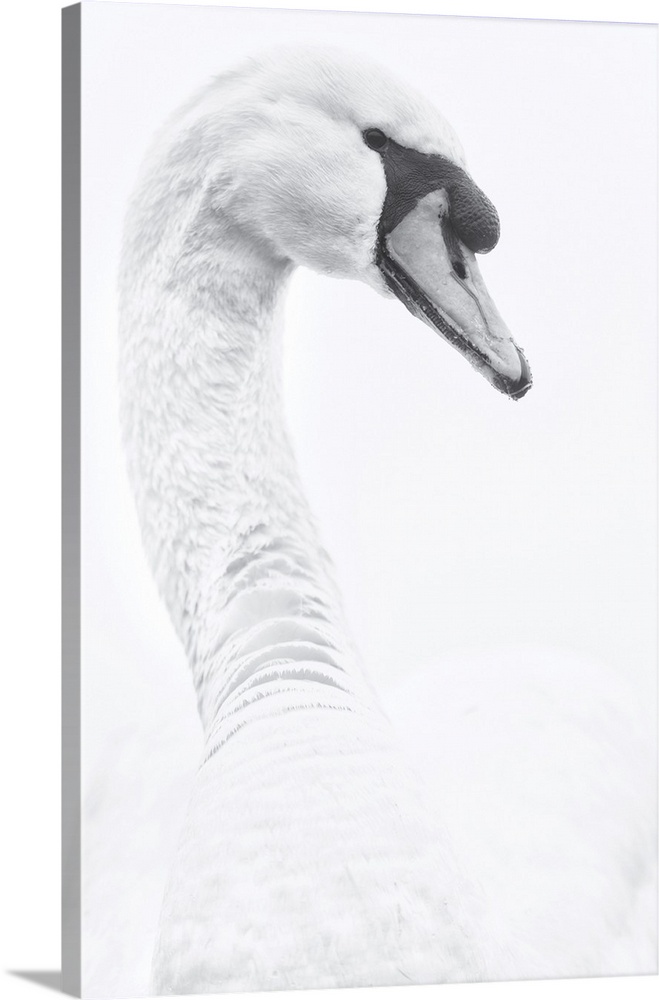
pixel 310 854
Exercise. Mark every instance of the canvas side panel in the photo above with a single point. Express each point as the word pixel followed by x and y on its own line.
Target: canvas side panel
pixel 71 948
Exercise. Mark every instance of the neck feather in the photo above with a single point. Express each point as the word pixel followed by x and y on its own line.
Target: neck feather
pixel 227 530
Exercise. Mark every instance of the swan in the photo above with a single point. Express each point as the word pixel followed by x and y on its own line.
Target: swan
pixel 329 840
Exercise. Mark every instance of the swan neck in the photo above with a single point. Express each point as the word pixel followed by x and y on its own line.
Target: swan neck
pixel 230 538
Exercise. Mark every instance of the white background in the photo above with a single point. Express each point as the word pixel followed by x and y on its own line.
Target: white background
pixel 584 315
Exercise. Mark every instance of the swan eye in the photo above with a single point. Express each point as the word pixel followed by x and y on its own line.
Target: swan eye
pixel 375 138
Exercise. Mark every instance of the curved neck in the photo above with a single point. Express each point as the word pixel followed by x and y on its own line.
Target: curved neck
pixel 307 814
pixel 228 533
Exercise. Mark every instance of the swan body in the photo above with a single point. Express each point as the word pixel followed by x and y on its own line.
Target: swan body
pixel 315 851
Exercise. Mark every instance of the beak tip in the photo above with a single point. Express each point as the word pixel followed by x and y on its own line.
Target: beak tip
pixel 519 388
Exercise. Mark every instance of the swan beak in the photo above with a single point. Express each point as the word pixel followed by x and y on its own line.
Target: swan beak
pixel 436 276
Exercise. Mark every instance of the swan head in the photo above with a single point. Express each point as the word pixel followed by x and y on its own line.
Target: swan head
pixel 328 162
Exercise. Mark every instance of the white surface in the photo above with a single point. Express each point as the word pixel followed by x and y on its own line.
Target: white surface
pixel 456 519
pixel 29 722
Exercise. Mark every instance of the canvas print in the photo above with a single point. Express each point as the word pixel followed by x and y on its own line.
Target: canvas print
pixel 368 525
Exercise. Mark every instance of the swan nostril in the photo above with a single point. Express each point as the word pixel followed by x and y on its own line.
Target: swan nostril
pixel 459 268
